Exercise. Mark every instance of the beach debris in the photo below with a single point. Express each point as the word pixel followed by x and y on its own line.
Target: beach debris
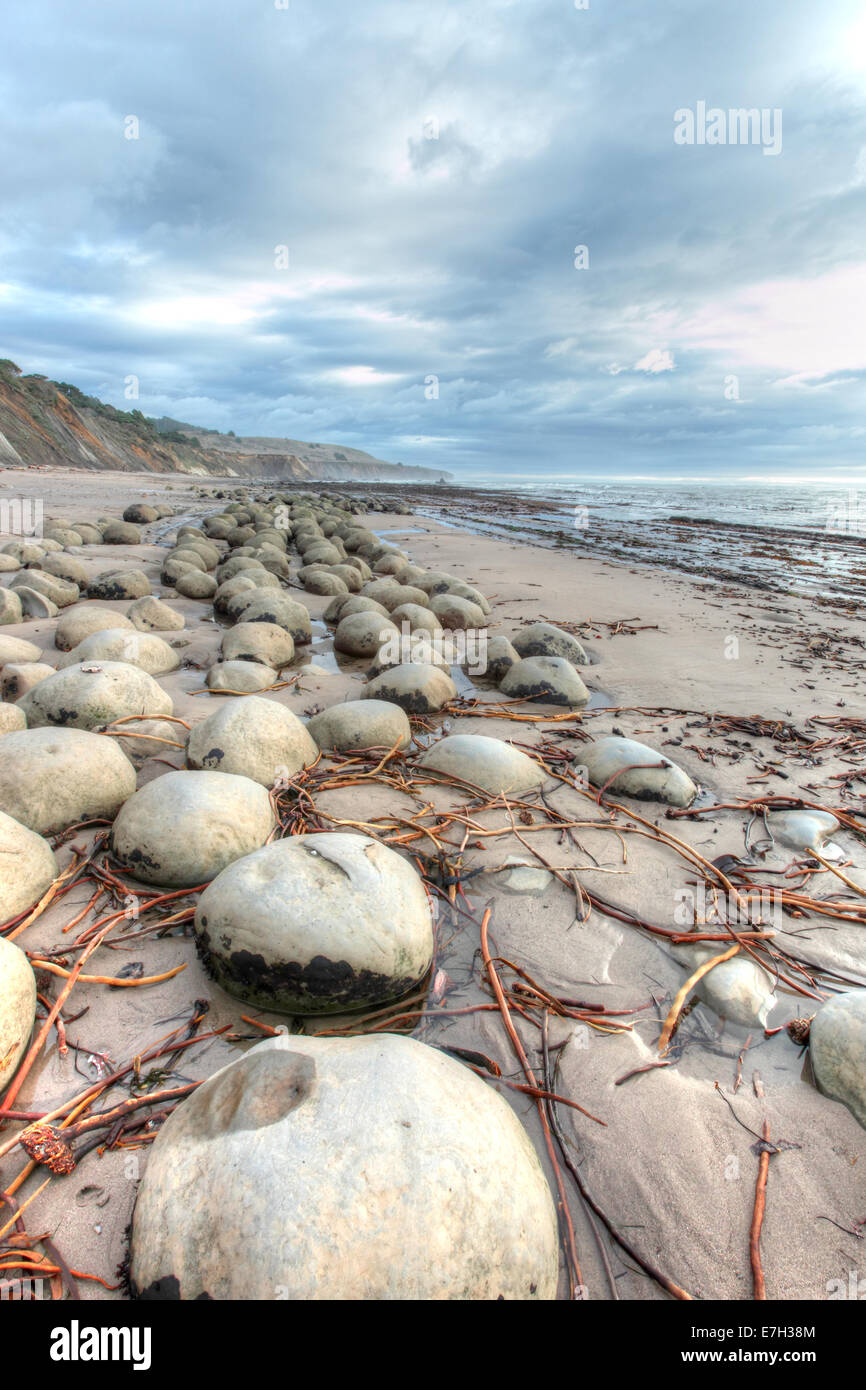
pixel 89 694
pixel 361 724
pixel 51 778
pixel 17 1008
pixel 419 688
pixel 142 649
pixel 624 767
pixel 550 679
pixel 183 828
pixel 488 763
pixel 28 868
pixel 264 642
pixel 352 1167
pixel 837 1046
pixel 316 924
pixel 252 737
pixel 543 639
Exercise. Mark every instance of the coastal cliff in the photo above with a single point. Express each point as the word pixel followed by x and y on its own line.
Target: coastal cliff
pixel 50 424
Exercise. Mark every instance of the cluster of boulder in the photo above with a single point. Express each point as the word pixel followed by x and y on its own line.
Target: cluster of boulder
pixel 315 923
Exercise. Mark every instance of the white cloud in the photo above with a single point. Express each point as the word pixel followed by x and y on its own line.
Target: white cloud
pixel 656 360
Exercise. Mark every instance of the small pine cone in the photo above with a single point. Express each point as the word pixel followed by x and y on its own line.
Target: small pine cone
pixel 798 1030
pixel 41 1143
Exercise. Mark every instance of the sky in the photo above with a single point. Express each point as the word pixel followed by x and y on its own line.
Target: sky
pixel 508 238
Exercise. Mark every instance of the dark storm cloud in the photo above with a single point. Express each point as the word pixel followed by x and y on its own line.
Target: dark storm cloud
pixel 431 169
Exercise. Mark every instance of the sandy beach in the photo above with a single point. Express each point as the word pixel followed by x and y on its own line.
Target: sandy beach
pixel 757 696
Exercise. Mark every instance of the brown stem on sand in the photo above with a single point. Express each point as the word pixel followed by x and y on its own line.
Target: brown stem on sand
pixel 758 1215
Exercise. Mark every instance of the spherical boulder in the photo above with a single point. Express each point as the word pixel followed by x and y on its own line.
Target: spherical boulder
pixel 488 763
pixel 272 606
pixel 184 828
pixel 195 585
pixel 837 1044
pixel 241 677
pixel 498 657
pixel 551 678
pixel 10 608
pixel 628 768
pixel 144 650
pixel 121 533
pixel 17 649
pixel 254 737
pixel 150 614
pixel 266 643
pixel 361 724
pixel 29 869
pixel 416 687
pixel 12 718
pixel 357 1169
pixel 93 693
pixel 66 567
pixel 17 1008
pixel 317 924
pixel 119 584
pixel 140 513
pixel 52 778
pixel 457 613
pixel 362 634
pixel 543 639
pixel 18 677
pixel 78 623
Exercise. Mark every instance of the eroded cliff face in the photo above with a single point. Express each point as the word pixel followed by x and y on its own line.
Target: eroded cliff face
pixel 50 424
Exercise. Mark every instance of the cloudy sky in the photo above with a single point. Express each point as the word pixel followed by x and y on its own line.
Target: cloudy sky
pixel 357 220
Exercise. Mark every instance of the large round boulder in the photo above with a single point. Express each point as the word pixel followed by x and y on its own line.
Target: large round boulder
pixel 10 608
pixel 184 828
pixel 838 1050
pixel 628 768
pixel 266 643
pixel 487 763
pixel 17 677
pixel 415 687
pixel 17 649
pixel 361 724
pixel 11 719
pixel 344 1169
pixel 240 677
pixel 144 650
pixel 272 606
pixel 543 639
pixel 254 737
pixel 78 623
pixel 17 1008
pixel 551 679
pixel 362 634
pixel 317 924
pixel 456 613
pixel 119 584
pixel 52 778
pixel 92 693
pixel 28 869
pixel 151 614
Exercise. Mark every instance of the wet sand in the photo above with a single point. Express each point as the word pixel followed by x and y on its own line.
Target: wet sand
pixel 673 1167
